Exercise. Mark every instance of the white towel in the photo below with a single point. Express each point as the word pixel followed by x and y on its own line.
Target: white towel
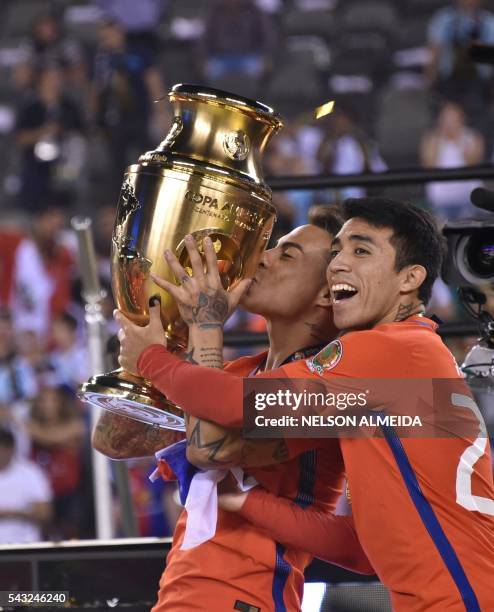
pixel 202 497
pixel 202 504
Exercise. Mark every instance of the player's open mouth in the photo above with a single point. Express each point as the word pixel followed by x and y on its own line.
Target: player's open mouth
pixel 342 291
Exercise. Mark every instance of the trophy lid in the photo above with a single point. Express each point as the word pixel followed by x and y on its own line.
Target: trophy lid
pixel 227 99
pixel 222 131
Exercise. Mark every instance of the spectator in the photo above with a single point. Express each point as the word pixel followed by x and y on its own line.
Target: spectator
pixel 451 144
pixel 49 132
pixel 41 276
pixel 25 496
pixel 451 31
pixel 33 351
pixel 139 20
pixel 48 46
pixel 346 149
pixel 17 378
pixel 57 432
pixel 238 38
pixel 125 85
pixel 283 158
pixel 69 359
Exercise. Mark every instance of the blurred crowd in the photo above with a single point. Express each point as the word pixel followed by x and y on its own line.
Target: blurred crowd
pixel 79 80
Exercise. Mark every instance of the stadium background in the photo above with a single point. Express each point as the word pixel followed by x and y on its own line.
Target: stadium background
pixel 77 81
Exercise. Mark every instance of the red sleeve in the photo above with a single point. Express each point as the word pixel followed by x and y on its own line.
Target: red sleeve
pixel 206 393
pixel 217 395
pixel 327 536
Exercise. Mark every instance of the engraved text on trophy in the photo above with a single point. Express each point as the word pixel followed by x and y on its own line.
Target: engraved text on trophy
pixel 225 210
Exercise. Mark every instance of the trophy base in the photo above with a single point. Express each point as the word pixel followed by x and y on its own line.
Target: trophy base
pixel 132 397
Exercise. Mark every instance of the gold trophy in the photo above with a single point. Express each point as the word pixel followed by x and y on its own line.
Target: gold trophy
pixel 204 179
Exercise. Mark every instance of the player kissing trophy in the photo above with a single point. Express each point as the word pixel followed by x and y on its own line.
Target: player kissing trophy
pixel 204 179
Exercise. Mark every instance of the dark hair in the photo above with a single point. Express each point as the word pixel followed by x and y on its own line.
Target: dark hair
pixel 416 238
pixel 7 439
pixel 67 319
pixel 108 21
pixel 67 409
pixel 328 217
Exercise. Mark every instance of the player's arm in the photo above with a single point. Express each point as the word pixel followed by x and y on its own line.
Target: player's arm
pixel 207 442
pixel 119 437
pixel 210 445
pixel 325 535
pixel 203 392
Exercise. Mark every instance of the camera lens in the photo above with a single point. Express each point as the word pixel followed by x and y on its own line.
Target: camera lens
pixel 480 254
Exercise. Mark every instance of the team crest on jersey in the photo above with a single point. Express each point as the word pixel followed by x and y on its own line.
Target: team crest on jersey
pixel 326 359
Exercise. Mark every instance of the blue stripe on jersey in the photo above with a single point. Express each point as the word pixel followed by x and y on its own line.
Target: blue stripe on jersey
pixel 305 497
pixel 281 572
pixel 431 522
pixel 423 323
pixel 307 479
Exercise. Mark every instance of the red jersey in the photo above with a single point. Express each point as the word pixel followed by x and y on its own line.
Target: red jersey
pixel 242 564
pixel 423 508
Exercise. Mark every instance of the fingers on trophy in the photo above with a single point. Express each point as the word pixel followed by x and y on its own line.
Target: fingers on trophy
pixel 202 278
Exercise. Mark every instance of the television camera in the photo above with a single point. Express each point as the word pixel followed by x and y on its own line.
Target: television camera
pixel 469 265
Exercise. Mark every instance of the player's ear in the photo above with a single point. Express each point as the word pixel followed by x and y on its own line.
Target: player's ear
pixel 323 299
pixel 412 278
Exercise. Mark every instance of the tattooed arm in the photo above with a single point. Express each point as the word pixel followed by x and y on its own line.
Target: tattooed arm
pixel 119 437
pixel 210 445
pixel 206 441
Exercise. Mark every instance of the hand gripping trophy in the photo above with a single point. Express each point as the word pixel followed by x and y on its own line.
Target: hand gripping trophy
pixel 204 179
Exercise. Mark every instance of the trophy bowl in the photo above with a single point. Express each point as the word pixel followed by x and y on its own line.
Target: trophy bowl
pixel 204 179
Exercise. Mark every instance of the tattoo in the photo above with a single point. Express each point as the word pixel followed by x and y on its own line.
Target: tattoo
pixel 211 357
pixel 184 279
pixel 212 448
pixel 315 331
pixel 261 452
pixel 281 451
pixel 188 356
pixel 119 437
pixel 407 310
pixel 211 308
